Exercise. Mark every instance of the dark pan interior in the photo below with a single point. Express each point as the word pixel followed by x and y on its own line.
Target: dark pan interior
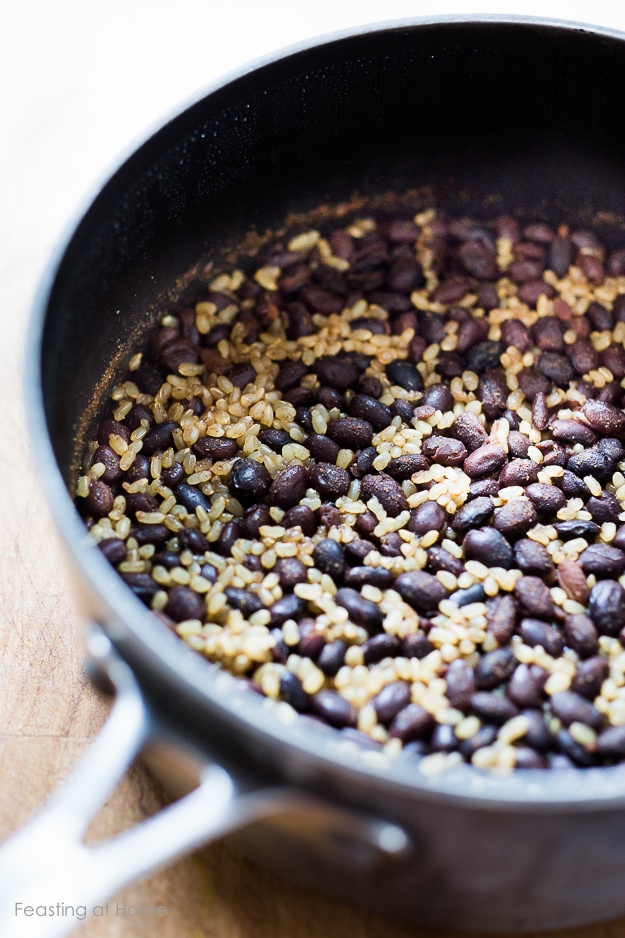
pixel 479 118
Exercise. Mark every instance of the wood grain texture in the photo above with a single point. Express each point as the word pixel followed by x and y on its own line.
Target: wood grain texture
pixel 78 81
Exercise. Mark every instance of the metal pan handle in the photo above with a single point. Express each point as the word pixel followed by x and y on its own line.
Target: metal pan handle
pixel 46 866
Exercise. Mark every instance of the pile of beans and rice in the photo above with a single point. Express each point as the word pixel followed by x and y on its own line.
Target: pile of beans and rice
pixel 378 472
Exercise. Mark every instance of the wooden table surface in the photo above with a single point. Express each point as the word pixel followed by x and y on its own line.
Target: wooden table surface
pixel 77 82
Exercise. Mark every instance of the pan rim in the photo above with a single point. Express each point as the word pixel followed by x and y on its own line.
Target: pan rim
pixel 130 625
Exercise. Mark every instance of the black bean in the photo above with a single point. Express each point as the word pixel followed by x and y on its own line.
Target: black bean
pixel 518 444
pixel 427 517
pixel 358 549
pixel 611 743
pixel 441 559
pixel 538 735
pixel 242 374
pixel 249 481
pixel 572 579
pixel 488 458
pixel 592 462
pixel 403 409
pixel 362 465
pixel 445 451
pixel 546 498
pixel 140 501
pixel 489 547
pixel 143 586
pixel 290 375
pixel 413 722
pixel 335 710
pixel 572 486
pixel 570 707
pixel 390 700
pixel 403 467
pixel 484 487
pixel 602 560
pixel 606 607
pixel 192 497
pixel 114 549
pixel 157 534
pixel 110 428
pixel 311 640
pixel 420 590
pixel 332 657
pixel 485 736
pixel 519 472
pixel 329 481
pixel 379 647
pixel 468 429
pixel 350 432
pixel 534 597
pixel 301 516
pixel 571 748
pixel 159 438
pixel 501 614
pixel 536 632
pixel 460 679
pixel 289 607
pixel 472 594
pixel 322 448
pixel 140 469
pixel 605 507
pixel 274 439
pixel 253 519
pixel 589 677
pixel 533 559
pixel 209 572
pixel 193 540
pixel 526 685
pixel 329 515
pixel 484 355
pixel 228 536
pixel 244 600
pixel 170 477
pixel 100 499
pixel 561 255
pixel 416 645
pixel 573 431
pixel 110 460
pixel 567 530
pixel 527 758
pixel 604 418
pixel 370 387
pixel 291 571
pixel 439 397
pixel 443 739
pixel 289 486
pixel 183 603
pixel 337 373
pixel 329 557
pixel 374 412
pixel 388 492
pixel 557 367
pixel 581 634
pixel 492 707
pixel 372 576
pixel 494 667
pixel 361 611
pixel 493 393
pixel 515 518
pixel 405 375
pixel 293 693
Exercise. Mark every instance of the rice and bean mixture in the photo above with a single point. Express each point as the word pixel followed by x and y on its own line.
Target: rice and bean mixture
pixel 380 475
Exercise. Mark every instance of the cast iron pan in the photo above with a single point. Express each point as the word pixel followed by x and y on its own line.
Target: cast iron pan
pixel 474 116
